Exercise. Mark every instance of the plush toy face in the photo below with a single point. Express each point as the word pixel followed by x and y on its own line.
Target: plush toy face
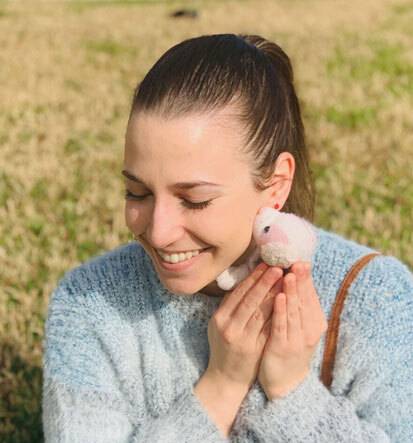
pixel 266 229
pixel 283 238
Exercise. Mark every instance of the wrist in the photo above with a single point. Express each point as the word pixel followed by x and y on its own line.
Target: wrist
pixel 277 392
pixel 221 398
pixel 224 386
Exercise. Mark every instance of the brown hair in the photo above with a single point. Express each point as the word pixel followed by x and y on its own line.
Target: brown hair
pixel 208 72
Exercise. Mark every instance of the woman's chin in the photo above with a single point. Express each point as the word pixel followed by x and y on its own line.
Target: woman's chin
pixel 213 290
pixel 186 288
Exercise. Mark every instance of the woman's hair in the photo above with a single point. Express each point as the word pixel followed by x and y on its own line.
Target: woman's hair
pixel 209 72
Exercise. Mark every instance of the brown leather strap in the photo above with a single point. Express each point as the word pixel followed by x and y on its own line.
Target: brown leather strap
pixel 334 321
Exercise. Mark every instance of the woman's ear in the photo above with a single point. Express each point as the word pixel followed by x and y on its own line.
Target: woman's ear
pixel 281 180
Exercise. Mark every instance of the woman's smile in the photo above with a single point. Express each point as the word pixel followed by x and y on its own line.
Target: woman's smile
pixel 180 262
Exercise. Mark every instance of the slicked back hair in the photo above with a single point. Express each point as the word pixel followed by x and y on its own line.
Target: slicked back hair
pixel 209 72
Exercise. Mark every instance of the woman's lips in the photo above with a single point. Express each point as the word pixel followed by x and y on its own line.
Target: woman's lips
pixel 180 266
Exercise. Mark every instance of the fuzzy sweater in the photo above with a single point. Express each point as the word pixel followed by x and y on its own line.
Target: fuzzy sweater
pixel 122 355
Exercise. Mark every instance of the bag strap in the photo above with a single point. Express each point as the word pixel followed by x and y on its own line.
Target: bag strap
pixel 334 321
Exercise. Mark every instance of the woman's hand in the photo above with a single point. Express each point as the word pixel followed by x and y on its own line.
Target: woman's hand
pixel 235 331
pixel 295 328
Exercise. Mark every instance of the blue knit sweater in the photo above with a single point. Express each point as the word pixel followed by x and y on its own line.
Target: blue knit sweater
pixel 123 354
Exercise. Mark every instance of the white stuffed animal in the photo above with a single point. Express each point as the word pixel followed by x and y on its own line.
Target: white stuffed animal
pixel 281 239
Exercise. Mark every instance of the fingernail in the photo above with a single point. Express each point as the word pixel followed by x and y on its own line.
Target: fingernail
pixel 262 266
pixel 301 271
pixel 277 272
pixel 306 271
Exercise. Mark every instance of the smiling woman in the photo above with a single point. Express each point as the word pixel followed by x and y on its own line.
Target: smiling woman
pixel 167 218
pixel 142 345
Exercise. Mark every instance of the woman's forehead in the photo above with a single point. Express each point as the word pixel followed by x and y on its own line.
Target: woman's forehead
pixel 185 150
pixel 194 137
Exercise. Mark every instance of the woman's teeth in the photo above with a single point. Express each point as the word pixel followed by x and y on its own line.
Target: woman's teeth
pixel 182 256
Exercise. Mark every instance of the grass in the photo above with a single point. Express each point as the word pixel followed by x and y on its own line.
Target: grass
pixel 351 117
pixel 67 78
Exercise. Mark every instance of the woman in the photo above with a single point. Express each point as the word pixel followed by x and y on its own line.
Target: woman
pixel 141 344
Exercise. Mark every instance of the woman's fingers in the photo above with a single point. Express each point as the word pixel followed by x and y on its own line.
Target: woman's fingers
pixel 279 320
pixel 286 320
pixel 305 284
pixel 232 299
pixel 294 328
pixel 256 323
pixel 248 308
pixel 312 315
pixel 267 305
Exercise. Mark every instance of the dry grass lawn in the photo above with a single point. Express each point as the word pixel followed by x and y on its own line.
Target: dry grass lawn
pixel 67 74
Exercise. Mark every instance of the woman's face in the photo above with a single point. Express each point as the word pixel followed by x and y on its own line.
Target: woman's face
pixel 177 218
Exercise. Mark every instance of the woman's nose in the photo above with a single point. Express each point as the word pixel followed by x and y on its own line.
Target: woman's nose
pixel 165 225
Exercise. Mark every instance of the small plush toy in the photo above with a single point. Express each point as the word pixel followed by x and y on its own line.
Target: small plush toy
pixel 281 239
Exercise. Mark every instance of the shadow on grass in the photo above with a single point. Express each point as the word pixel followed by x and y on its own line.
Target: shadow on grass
pixel 20 397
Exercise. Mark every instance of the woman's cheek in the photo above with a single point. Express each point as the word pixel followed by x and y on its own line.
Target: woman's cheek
pixel 212 221
pixel 133 217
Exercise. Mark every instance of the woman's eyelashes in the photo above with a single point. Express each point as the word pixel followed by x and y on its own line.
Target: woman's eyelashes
pixel 191 205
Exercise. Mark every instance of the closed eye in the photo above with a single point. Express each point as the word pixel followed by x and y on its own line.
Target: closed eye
pixel 188 204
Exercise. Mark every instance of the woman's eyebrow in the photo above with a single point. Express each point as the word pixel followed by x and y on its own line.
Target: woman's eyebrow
pixel 179 185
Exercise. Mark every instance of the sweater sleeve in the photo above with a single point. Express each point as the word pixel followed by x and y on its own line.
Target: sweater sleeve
pixel 74 415
pixel 81 406
pixel 377 406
